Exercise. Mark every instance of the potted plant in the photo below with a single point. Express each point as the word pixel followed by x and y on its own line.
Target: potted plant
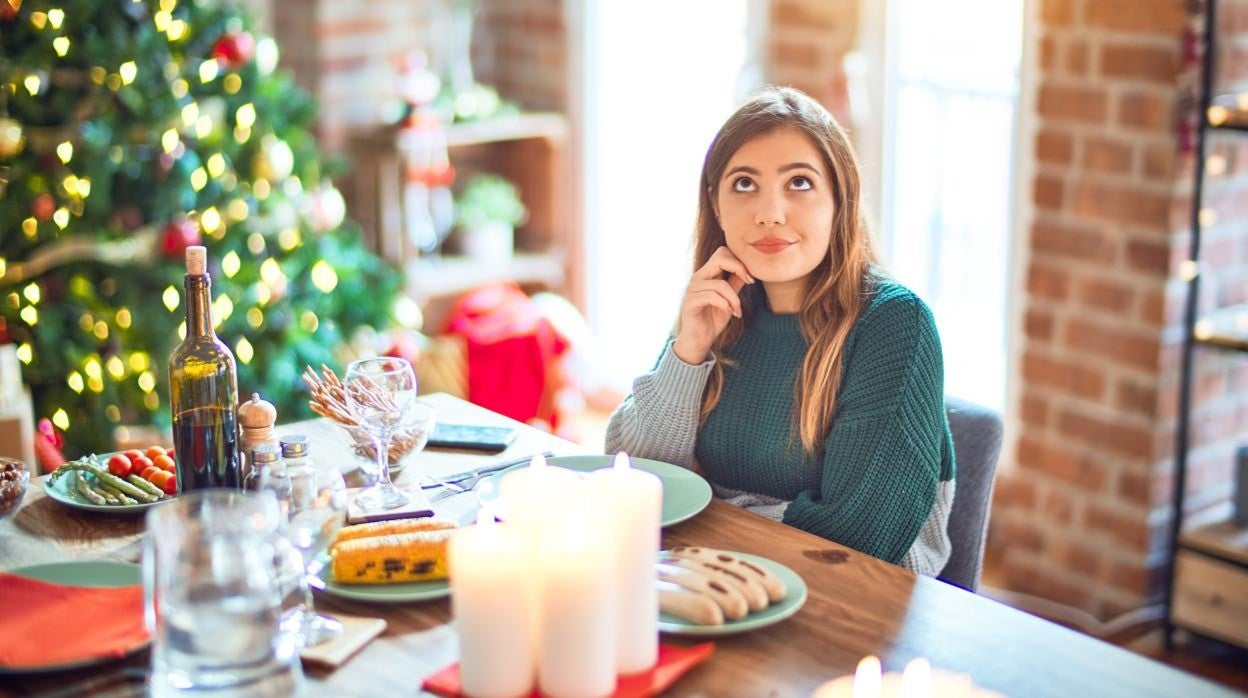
pixel 487 212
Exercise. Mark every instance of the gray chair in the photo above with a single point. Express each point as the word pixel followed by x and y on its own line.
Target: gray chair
pixel 976 446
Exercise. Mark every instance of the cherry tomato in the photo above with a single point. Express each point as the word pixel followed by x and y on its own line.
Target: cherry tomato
pixel 171 485
pixel 147 472
pixel 134 453
pixel 154 451
pixel 119 465
pixel 163 462
pixel 170 454
pixel 159 478
pixel 141 463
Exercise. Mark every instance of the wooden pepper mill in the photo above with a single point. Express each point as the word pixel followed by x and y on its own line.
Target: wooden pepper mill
pixel 256 418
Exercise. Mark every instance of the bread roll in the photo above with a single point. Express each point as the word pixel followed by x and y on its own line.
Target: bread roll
pixel 773 584
pixel 692 606
pixel 752 589
pixel 730 601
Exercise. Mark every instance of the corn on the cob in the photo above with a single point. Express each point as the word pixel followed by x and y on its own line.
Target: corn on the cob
pixel 400 557
pixel 386 528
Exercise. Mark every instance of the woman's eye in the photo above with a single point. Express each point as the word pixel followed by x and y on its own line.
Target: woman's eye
pixel 801 183
pixel 743 184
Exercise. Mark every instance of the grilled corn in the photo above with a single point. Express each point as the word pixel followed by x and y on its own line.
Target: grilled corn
pixel 386 559
pixel 386 528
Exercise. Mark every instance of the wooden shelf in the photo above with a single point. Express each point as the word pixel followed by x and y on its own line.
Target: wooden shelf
pixel 1229 112
pixel 1227 540
pixel 546 125
pixel 440 277
pixel 1226 328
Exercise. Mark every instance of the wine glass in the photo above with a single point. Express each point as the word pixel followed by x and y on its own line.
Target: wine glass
pixel 317 504
pixel 381 394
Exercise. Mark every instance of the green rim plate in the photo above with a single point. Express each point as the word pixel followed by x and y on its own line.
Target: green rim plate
pixel 793 600
pixel 83 573
pixel 62 490
pixel 382 593
pixel 685 493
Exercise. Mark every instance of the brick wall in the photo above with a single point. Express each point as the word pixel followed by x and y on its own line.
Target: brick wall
pixel 806 43
pixel 1082 516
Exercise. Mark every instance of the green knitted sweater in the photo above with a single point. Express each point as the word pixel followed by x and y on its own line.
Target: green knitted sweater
pixel 889 448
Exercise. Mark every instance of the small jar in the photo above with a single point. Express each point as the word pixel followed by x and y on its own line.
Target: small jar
pixel 268 473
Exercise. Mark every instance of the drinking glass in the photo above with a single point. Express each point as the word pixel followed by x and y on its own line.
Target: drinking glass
pixel 317 505
pixel 381 394
pixel 213 597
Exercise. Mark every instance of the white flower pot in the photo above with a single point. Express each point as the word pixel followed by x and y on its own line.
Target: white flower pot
pixel 492 243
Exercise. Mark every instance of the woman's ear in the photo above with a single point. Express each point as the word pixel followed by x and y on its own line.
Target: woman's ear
pixel 710 196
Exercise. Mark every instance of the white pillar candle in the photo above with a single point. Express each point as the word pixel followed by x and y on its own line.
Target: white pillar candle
pixel 918 680
pixel 529 496
pixel 576 617
pixel 491 573
pixel 634 501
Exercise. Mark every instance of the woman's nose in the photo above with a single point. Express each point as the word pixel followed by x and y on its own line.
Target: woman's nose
pixel 770 211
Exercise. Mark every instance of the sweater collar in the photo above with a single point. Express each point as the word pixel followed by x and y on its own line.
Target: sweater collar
pixel 767 321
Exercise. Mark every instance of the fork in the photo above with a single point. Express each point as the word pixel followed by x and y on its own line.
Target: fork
pixel 450 489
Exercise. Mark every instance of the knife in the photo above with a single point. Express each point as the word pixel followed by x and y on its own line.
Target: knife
pixel 483 470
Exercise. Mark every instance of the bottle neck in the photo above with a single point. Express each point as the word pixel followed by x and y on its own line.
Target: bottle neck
pixel 198 305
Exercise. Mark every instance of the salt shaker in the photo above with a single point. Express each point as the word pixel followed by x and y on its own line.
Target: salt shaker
pixel 256 418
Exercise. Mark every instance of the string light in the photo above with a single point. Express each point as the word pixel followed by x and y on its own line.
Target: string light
pixel 199 179
pixel 55 16
pixel 128 71
pixel 203 127
pixel 244 350
pixel 61 419
pixel 116 368
pixel 61 217
pixel 29 315
pixel 116 155
pixel 271 272
pixel 170 298
pixel 75 382
pixel 14 300
pixel 323 276
pixel 210 220
pixel 32 293
pixel 139 361
pixel 123 318
pixel 237 209
pixel 84 187
pixel 112 413
pixel 151 401
pixel 241 134
pixel 216 164
pixel 261 188
pixel 169 140
pixel 222 308
pixel 86 322
pixel 289 238
pixel 232 83
pixel 32 83
pixel 25 354
pixel 39 19
pixel 177 30
pixel 180 88
pixel 92 367
pixel 101 330
pixel 255 318
pixel 308 321
pixel 208 71
pixel 114 82
pixel 255 244
pixel 4 267
pixel 61 45
pixel 245 117
pixel 30 226
pixel 263 294
pixel 147 382
pixel 161 19
pixel 96 385
pixel 182 331
pixel 230 264
pixel 65 151
pixel 190 113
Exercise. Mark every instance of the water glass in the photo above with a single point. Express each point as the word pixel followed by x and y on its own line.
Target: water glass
pixel 317 509
pixel 381 395
pixel 213 597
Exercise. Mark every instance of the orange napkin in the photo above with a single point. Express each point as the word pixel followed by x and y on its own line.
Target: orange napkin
pixel 674 661
pixel 105 622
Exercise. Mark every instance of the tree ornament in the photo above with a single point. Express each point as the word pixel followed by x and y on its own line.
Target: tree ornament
pixel 11 138
pixel 234 48
pixel 9 8
pixel 43 206
pixel 179 235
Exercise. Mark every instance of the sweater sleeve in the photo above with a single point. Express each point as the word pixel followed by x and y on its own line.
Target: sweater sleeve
pixel 659 420
pixel 882 456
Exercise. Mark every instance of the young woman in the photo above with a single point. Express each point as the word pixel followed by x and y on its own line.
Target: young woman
pixel 800 381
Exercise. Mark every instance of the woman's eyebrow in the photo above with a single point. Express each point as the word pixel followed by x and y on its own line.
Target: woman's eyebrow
pixel 784 168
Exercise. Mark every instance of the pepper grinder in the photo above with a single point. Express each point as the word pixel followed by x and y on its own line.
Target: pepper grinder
pixel 256 418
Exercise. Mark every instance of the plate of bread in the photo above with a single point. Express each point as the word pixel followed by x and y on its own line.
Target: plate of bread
pixel 704 591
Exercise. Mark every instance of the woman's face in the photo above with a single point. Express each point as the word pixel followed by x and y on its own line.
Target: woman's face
pixel 774 203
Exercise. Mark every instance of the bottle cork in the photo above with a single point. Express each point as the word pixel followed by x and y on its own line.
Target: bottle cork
pixel 196 260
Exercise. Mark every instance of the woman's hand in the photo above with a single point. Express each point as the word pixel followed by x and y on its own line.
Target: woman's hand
pixel 709 301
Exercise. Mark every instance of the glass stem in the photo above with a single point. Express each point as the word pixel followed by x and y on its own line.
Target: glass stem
pixel 382 444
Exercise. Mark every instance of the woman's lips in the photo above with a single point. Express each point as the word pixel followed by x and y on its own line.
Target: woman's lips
pixel 772 245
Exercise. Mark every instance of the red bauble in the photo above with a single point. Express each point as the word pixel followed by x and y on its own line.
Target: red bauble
pixel 236 49
pixel 9 8
pixel 43 206
pixel 177 236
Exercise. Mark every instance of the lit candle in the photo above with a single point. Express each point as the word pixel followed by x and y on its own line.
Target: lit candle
pixel 918 680
pixel 576 654
pixel 867 678
pixel 531 496
pixel 633 500
pixel 491 572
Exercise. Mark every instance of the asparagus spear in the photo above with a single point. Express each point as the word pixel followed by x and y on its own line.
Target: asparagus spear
pixel 89 465
pixel 85 490
pixel 146 486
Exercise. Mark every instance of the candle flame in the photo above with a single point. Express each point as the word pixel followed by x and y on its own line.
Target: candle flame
pixel 622 463
pixel 485 515
pixel 868 678
pixel 538 462
pixel 916 679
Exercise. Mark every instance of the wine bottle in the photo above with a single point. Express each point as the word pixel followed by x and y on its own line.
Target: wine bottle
pixel 204 391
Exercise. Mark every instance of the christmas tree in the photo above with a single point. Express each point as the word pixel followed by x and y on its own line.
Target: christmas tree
pixel 130 129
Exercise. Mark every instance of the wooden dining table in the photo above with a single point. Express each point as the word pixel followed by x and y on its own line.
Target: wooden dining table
pixel 857 604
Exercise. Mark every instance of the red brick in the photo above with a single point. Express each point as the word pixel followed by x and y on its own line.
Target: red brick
pixel 1035 410
pixel 1047 192
pixel 1159 162
pixel 1151 257
pixel 1058 507
pixel 795 55
pixel 1078 557
pixel 1146 111
pixel 1047 282
pixel 1120 439
pixel 1048 53
pixel 1014 494
pixel 1140 62
pixel 1073 103
pixel 1132 348
pixel 1106 155
pixel 1165 17
pixel 1133 397
pixel 1070 378
pixel 1038 324
pixel 1039 581
pixel 1105 294
pixel 339 28
pixel 1022 536
pixel 1056 147
pixel 1131 530
pixel 1153 308
pixel 1135 578
pixel 787 13
pixel 1121 204
pixel 1077 57
pixel 1057 12
pixel 1080 468
pixel 1071 241
pixel 1135 488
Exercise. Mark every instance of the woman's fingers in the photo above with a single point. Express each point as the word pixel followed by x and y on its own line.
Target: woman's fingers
pixel 721 289
pixel 699 300
pixel 723 260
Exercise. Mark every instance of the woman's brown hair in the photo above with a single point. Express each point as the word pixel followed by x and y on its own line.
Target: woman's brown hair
pixel 836 290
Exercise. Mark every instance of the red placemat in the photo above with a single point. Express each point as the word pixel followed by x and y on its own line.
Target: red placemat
pixel 105 622
pixel 673 662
